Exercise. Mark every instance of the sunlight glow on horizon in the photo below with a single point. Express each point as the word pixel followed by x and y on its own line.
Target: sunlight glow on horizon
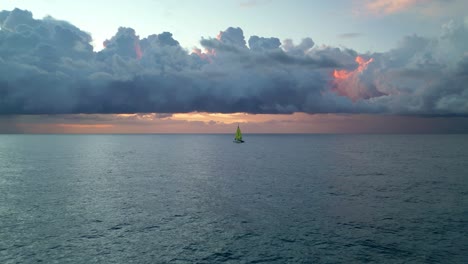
pixel 209 123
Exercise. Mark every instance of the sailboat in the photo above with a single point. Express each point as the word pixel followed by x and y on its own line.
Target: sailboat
pixel 238 137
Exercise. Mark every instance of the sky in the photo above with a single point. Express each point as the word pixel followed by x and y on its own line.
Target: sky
pixel 273 66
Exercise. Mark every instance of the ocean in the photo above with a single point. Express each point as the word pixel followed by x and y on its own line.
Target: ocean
pixel 204 199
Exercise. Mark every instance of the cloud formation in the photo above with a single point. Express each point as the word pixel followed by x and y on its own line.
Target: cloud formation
pixel 391 6
pixel 49 67
pixel 428 8
pixel 350 35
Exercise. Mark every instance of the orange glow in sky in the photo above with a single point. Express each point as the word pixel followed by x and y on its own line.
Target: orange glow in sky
pixel 217 117
pixel 72 126
pixel 226 123
pixel 344 74
pixel 347 83
pixel 195 122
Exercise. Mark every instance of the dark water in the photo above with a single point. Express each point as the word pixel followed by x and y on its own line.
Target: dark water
pixel 204 199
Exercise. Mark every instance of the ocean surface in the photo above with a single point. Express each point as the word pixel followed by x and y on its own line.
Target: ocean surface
pixel 204 199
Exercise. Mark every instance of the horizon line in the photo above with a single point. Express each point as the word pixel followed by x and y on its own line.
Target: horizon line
pixel 272 133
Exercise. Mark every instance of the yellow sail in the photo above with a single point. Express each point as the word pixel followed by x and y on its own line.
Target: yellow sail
pixel 238 134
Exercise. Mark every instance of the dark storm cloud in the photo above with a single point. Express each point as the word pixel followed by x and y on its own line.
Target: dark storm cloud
pixel 265 53
pixel 49 67
pixel 424 76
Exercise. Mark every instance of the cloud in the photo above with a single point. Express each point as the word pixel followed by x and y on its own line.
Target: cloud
pixel 49 67
pixel 257 43
pixel 428 8
pixel 349 83
pixel 232 36
pixel 390 6
pixel 350 35
pixel 125 44
pixel 301 49
pixel 424 75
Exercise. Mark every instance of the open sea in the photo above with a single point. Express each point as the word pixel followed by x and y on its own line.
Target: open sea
pixel 204 199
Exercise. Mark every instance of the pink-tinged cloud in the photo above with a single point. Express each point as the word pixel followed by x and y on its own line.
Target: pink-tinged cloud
pixel 349 84
pixel 386 7
pixel 137 48
pixel 206 55
pixel 426 8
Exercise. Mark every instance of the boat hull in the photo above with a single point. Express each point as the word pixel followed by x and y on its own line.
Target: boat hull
pixel 238 141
